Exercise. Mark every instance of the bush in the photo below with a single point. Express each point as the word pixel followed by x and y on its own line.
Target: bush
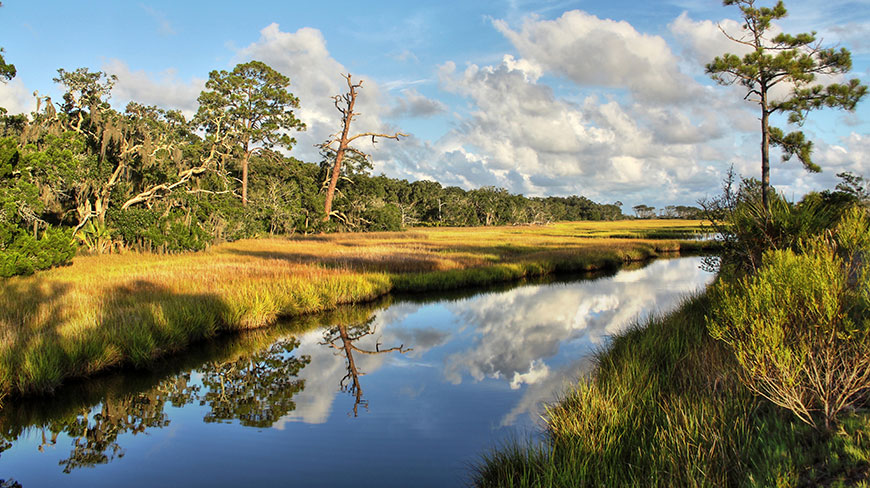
pixel 174 231
pixel 27 254
pixel 385 218
pixel 747 230
pixel 800 327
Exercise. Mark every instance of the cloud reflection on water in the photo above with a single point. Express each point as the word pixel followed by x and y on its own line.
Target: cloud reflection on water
pixel 536 339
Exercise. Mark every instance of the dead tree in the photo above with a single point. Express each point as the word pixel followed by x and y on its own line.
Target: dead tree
pixel 347 347
pixel 345 104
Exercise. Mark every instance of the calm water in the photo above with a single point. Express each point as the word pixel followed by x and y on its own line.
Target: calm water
pixel 405 392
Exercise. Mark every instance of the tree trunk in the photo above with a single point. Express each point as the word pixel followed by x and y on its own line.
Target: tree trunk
pixel 336 172
pixel 765 152
pixel 245 178
pixel 342 147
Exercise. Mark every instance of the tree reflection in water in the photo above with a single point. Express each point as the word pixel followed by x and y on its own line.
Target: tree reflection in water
pixel 257 390
pixel 95 434
pixel 348 335
pixel 254 387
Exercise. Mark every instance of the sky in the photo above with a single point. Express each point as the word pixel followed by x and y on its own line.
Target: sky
pixel 602 98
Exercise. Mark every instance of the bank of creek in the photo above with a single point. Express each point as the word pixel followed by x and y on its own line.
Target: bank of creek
pixel 407 391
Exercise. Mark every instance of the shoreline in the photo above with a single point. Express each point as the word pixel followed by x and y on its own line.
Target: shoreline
pixel 73 328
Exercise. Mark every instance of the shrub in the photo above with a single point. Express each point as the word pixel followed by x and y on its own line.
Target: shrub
pixel 800 328
pixel 747 230
pixel 26 254
pixel 385 218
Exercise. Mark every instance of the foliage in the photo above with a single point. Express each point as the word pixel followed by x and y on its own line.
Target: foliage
pixel 793 61
pixel 252 106
pixel 800 326
pixel 27 241
pixel 747 230
pixel 26 254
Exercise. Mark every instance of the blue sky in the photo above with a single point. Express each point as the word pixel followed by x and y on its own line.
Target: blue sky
pixel 606 99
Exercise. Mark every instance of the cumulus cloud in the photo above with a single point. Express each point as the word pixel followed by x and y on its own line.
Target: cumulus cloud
pixel 602 52
pixel 163 89
pixel 315 77
pixel 413 104
pixel 519 134
pixel 16 98
pixel 703 40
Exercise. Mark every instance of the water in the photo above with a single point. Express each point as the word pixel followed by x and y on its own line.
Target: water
pixel 409 391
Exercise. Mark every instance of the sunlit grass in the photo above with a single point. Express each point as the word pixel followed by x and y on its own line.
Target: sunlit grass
pixel 129 308
pixel 664 408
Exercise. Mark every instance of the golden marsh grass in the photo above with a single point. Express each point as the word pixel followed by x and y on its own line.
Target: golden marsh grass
pixel 108 310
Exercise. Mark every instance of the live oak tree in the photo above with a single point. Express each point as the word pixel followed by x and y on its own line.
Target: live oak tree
pixel 793 61
pixel 339 143
pixel 252 106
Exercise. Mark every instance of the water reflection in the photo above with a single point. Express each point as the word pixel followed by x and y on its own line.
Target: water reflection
pixel 254 387
pixel 348 335
pixel 257 389
pixel 449 375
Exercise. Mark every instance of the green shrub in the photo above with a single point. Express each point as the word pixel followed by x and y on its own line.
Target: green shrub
pixel 800 327
pixel 174 231
pixel 26 254
pixel 747 230
pixel 385 218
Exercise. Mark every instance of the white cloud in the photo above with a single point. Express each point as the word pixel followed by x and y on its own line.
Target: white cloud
pixel 413 104
pixel 602 52
pixel 703 40
pixel 520 135
pixel 16 98
pixel 316 77
pixel 164 89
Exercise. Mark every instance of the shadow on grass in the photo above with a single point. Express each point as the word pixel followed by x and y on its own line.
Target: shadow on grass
pixel 395 262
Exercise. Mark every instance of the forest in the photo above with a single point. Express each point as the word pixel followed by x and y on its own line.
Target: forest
pixel 79 174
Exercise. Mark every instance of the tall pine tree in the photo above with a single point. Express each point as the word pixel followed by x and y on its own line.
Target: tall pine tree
pixel 784 59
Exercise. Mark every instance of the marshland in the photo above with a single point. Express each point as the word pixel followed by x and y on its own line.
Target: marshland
pixel 498 244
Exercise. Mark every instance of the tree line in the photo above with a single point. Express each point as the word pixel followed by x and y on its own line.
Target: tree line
pixel 80 174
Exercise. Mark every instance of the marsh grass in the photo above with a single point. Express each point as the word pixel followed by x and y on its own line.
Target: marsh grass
pixel 663 408
pixel 77 396
pixel 109 310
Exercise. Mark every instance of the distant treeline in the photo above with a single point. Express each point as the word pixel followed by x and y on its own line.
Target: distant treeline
pixel 80 174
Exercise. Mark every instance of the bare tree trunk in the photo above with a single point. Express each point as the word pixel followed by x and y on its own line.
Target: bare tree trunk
pixel 765 152
pixel 336 168
pixel 344 140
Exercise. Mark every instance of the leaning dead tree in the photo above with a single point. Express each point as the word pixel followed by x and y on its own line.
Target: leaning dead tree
pixel 349 335
pixel 345 104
